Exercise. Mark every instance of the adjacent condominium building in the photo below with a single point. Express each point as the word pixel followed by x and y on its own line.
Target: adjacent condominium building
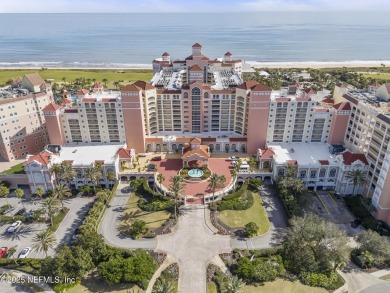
pixel 22 125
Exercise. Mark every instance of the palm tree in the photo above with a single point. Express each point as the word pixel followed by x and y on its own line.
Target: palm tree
pixel 4 191
pixel 19 194
pixel 61 192
pixel 43 241
pixel 215 181
pixel 110 177
pixel 67 173
pixel 164 285
pixel 160 178
pixel 104 80
pixel 298 186
pixel 56 170
pixel 356 177
pixel 39 191
pixel 94 174
pixel 51 205
pixel 176 187
pixel 233 285
pixel 116 83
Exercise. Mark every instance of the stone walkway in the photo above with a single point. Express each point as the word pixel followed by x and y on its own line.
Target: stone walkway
pixel 193 245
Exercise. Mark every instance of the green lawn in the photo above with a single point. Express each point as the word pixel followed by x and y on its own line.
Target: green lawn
pixel 211 287
pixel 133 212
pixel 17 169
pixel 384 76
pixel 58 218
pixel 256 213
pixel 282 286
pixel 70 75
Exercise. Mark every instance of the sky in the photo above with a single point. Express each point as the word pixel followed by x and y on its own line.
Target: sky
pixel 128 6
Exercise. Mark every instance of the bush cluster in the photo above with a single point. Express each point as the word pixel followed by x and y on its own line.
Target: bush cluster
pixel 150 200
pixel 154 206
pixel 290 203
pixel 241 199
pixel 330 281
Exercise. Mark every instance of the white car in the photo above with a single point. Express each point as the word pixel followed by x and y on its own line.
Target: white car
pixel 233 158
pixel 25 252
pixel 14 227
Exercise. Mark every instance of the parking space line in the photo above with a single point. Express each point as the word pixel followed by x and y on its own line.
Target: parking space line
pixel 326 208
pixel 331 197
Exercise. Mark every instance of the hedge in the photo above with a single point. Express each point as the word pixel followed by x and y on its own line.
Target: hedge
pixel 241 199
pixel 155 205
pixel 330 281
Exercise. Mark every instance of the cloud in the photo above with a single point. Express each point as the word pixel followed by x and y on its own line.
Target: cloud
pixel 86 6
pixel 313 5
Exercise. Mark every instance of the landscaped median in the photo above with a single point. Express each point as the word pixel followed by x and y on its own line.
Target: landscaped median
pixel 243 209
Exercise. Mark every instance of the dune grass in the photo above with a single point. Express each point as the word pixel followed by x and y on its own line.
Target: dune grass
pixel 256 213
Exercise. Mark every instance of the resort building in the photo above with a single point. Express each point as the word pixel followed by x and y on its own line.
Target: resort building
pixel 22 125
pixel 81 157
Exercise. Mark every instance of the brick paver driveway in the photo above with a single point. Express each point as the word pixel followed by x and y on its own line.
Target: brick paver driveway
pixel 193 245
pixel 171 167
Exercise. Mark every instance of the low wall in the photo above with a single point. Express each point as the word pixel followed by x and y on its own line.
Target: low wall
pixel 15 179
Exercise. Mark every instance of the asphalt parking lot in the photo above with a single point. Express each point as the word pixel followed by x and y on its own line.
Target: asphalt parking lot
pixel 22 238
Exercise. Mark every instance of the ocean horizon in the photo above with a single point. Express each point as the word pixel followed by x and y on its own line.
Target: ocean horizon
pixel 133 40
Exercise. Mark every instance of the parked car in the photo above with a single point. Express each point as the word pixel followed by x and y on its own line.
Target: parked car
pixel 233 158
pixel 158 158
pixel 14 227
pixel 3 251
pixel 20 212
pixel 25 252
pixel 152 167
pixel 141 155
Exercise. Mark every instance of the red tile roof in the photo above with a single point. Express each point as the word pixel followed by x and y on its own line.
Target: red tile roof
pixel 71 111
pixel 282 99
pixel 344 106
pixel 267 154
pixel 196 45
pixel 89 100
pixel 201 151
pixel 97 86
pixel 228 54
pixel 144 85
pixel 124 153
pixel 349 158
pixel 328 100
pixel 248 85
pixel 324 162
pixel 66 101
pixel 196 68
pixel 195 141
pixel 310 91
pixel 261 88
pixel 51 107
pixel 191 57
pixel 131 88
pixel 183 139
pixel 319 110
pixel 165 54
pixel 153 139
pixel 42 158
pixel 34 79
pixel 292 162
pixel 82 92
pixel 306 99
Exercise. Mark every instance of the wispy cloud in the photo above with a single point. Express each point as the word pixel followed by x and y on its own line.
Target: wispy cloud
pixel 86 6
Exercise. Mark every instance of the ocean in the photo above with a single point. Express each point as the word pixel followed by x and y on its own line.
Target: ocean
pixel 134 40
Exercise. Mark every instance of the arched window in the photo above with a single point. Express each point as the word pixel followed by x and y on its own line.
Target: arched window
pixel 332 173
pixel 148 147
pixel 227 147
pixel 281 171
pixel 185 95
pixel 322 172
pixel 174 147
pixel 158 147
pixel 302 174
pixel 313 173
pixel 217 147
pixel 206 95
pixel 211 147
pixel 165 147
pixel 233 147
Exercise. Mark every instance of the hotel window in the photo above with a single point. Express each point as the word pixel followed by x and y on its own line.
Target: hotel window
pixel 302 174
pixel 332 173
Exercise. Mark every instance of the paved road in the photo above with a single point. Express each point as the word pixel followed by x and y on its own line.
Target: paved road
pixel 109 224
pixel 193 245
pixel 278 223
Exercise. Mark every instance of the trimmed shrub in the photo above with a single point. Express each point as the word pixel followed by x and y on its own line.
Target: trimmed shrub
pixel 330 281
pixel 156 205
pixel 251 229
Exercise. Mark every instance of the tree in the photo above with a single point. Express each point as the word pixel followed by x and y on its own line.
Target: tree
pixel 116 83
pixel 19 194
pixel 138 229
pixel 104 80
pixel 251 229
pixel 160 178
pixel 216 181
pixel 374 244
pixel 43 241
pixel 253 163
pixel 4 192
pixel 164 285
pixel 52 206
pixel 39 191
pixel 61 192
pixel 356 177
pixel 94 174
pixel 110 177
pixel 233 285
pixel 56 170
pixel 176 188
pixel 313 245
